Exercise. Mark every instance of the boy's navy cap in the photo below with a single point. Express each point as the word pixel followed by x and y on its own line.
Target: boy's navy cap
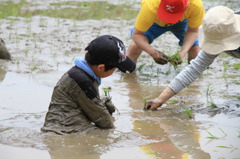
pixel 110 50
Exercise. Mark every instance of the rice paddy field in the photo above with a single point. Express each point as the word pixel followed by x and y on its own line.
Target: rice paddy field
pixel 44 36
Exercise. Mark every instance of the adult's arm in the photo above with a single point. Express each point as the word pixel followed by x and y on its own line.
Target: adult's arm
pixel 183 79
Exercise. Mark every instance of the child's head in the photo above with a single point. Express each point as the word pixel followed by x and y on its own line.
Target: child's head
pixel 110 51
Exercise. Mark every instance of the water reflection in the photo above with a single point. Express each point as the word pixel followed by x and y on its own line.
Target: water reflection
pixel 176 136
pixel 76 146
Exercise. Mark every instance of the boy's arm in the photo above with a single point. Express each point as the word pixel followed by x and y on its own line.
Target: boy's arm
pixel 93 107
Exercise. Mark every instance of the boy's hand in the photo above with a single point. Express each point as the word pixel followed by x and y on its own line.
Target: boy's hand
pixel 160 58
pixel 109 105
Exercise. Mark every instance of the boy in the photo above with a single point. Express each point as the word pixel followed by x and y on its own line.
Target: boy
pixel 75 105
pixel 156 17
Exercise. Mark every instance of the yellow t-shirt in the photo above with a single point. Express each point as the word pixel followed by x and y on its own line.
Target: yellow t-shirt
pixel 148 14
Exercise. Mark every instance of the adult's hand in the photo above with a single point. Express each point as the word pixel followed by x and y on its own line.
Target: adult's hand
pixel 153 104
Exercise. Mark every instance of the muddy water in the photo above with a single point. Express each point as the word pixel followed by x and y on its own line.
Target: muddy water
pixel 43 48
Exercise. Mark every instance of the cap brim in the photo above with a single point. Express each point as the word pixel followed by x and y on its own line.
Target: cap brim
pixel 169 17
pixel 127 66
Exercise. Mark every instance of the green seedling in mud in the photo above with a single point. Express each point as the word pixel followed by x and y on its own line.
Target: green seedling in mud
pixel 209 97
pixel 34 68
pixel 174 60
pixel 106 91
pixel 26 52
pixel 212 136
pixel 173 101
pixel 144 98
pixel 236 66
pixel 238 134
pixel 141 67
pixel 225 66
pixel 215 137
pixel 154 153
pixel 187 112
pixel 229 147
pixel 145 101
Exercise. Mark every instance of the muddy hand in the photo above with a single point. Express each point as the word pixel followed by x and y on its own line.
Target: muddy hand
pixel 162 58
pixel 152 104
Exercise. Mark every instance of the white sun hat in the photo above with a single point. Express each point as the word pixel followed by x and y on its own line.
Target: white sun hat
pixel 220 30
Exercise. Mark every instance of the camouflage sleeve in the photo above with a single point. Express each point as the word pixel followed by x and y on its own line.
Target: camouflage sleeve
pixel 94 107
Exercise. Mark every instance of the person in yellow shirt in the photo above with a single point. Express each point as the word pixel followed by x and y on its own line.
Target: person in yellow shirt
pixel 181 17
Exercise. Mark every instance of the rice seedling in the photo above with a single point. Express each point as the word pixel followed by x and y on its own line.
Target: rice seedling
pixel 236 66
pixel 209 98
pixel 106 91
pixel 174 60
pixel 215 137
pixel 26 52
pixel 229 147
pixel 141 67
pixel 212 136
pixel 173 101
pixel 224 72
pixel 34 68
pixel 154 153
pixel 144 98
pixel 41 22
pixel 187 112
pixel 224 66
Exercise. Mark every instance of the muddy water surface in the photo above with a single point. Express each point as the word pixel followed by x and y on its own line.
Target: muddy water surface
pixel 43 48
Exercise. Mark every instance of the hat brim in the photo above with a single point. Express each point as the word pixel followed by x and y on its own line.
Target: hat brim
pixel 215 47
pixel 127 66
pixel 167 17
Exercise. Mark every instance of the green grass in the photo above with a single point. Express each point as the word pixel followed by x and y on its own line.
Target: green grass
pixel 70 10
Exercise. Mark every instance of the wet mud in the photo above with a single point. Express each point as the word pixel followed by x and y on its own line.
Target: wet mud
pixel 43 48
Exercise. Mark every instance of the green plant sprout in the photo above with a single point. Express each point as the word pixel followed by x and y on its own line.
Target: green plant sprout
pixel 215 137
pixel 144 100
pixel 141 67
pixel 173 101
pixel 209 98
pixel 187 112
pixel 229 147
pixel 174 59
pixel 225 66
pixel 236 66
pixel 106 91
